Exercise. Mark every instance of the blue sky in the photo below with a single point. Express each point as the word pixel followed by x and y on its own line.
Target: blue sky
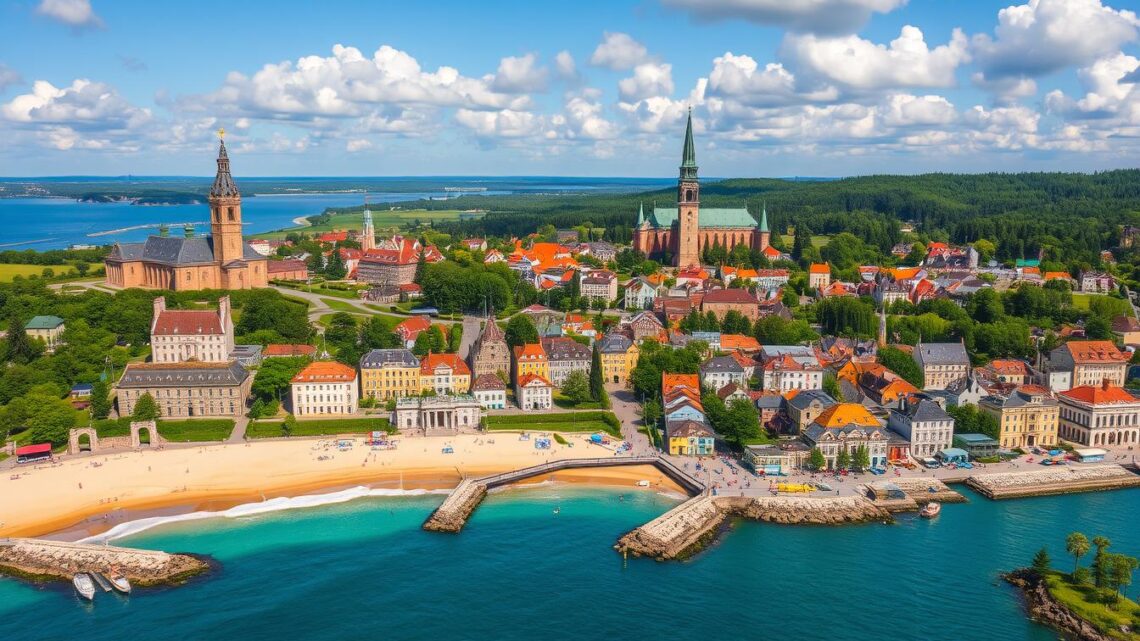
pixel 777 88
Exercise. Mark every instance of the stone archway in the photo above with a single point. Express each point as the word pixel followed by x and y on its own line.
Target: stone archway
pixel 79 432
pixel 152 432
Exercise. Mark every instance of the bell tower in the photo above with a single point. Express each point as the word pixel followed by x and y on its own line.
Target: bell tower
pixel 225 210
pixel 688 203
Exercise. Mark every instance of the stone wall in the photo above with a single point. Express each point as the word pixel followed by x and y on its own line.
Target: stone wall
pixel 33 558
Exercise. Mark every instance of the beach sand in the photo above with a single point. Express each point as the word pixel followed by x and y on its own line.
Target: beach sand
pixel 73 496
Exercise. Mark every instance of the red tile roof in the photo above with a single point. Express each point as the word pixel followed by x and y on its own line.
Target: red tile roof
pixel 325 372
pixel 432 361
pixel 187 321
pixel 281 266
pixel 410 328
pixel 281 349
pixel 1099 394
pixel 730 296
pixel 1084 352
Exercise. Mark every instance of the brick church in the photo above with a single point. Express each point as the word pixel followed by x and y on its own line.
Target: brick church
pixel 222 260
pixel 684 231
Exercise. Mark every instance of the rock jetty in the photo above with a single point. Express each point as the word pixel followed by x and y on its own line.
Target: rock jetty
pixel 1043 608
pixel 47 560
pixel 1054 480
pixel 689 527
pixel 453 513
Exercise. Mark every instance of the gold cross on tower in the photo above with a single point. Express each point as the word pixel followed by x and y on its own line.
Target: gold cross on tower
pixel 221 133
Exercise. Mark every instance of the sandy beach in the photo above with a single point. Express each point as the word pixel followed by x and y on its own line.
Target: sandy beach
pixel 75 493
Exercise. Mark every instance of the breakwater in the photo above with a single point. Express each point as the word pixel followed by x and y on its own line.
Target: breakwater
pixel 46 560
pixel 689 527
pixel 1052 481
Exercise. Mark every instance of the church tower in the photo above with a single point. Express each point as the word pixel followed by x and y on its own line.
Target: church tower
pixel 225 211
pixel 765 236
pixel 368 233
pixel 688 203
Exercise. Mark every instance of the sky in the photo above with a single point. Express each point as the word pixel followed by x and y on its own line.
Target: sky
pixel 587 88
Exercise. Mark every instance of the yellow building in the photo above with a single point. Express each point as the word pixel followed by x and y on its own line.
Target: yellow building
pixel 445 374
pixel 389 373
pixel 619 357
pixel 1027 417
pixel 531 359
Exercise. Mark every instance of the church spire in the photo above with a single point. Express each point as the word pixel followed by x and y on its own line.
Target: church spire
pixel 764 218
pixel 224 186
pixel 641 213
pixel 689 153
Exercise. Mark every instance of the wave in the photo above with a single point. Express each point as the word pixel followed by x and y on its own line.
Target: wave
pixel 252 509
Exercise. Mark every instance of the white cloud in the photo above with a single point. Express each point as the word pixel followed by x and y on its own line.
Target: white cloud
pixel 819 16
pixel 863 65
pixel 742 78
pixel 8 77
pixel 565 66
pixel 1007 89
pixel 74 13
pixel 357 145
pixel 84 104
pixel 619 51
pixel 505 123
pixel 1043 36
pixel 1111 93
pixel 648 79
pixel 519 74
pixel 346 84
pixel 583 117
pixel 905 110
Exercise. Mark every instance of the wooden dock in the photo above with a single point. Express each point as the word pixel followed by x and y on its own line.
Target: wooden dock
pixel 453 513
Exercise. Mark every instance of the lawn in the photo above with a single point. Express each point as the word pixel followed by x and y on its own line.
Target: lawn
pixel 319 427
pixel 557 422
pixel 565 403
pixel 341 306
pixel 382 220
pixel 182 431
pixel 10 271
pixel 1083 601
pixel 817 240
pixel 350 294
pixel 1081 301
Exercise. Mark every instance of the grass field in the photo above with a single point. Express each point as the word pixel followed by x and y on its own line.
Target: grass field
pixel 558 422
pixel 319 427
pixel 1081 301
pixel 817 240
pixel 8 272
pixel 381 220
pixel 184 431
pixel 1083 601
pixel 341 306
pixel 318 290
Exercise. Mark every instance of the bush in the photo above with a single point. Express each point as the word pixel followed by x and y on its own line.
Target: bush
pixel 558 438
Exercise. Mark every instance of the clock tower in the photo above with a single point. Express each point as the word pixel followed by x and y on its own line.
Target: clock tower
pixel 688 203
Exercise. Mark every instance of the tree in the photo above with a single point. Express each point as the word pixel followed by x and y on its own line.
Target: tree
pixel 335 270
pixel 376 334
pixel 289 425
pixel 651 412
pixel 817 460
pixel 146 408
pixel 831 386
pixel 49 418
pixel 1100 564
pixel 843 459
pixel 597 378
pixel 454 338
pixel 421 268
pixel 1121 567
pixel 1076 544
pixel 100 400
pixel 20 347
pixel 862 458
pixel 801 243
pixel 902 364
pixel 576 387
pixel 1041 561
pixel 273 377
pixel 521 331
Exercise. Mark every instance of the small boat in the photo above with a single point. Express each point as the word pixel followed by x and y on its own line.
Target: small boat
pixel 84 585
pixel 101 582
pixel 931 510
pixel 557 509
pixel 643 483
pixel 119 582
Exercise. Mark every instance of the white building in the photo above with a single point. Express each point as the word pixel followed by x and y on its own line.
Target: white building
pixel 790 367
pixel 180 335
pixel 599 284
pixel 720 371
pixel 1099 415
pixel 490 391
pixel 534 392
pixel 325 388
pixel 640 294
pixel 438 415
pixel 925 424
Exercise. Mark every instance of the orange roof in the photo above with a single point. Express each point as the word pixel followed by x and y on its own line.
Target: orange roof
pixel 530 352
pixel 656 279
pixel 895 389
pixel 903 273
pixel 1099 394
pixel 820 268
pixel 411 327
pixel 527 379
pixel 729 342
pixel 852 370
pixel 1030 270
pixel 280 349
pixel 1057 275
pixel 843 414
pixel 432 361
pixel 1009 366
pixel 937 247
pixel 325 372
pixel 771 251
pixel 692 272
pixel 746 273
pixel 1095 352
pixel 669 382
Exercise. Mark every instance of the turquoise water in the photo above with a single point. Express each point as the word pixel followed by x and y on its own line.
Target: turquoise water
pixel 364 570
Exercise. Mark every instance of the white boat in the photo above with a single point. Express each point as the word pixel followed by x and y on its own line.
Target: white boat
pixel 643 483
pixel 101 582
pixel 930 510
pixel 84 585
pixel 119 582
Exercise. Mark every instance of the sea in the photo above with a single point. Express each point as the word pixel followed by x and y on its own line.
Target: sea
pixel 57 223
pixel 537 563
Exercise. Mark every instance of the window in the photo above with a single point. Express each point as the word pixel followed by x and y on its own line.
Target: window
pixel 229 213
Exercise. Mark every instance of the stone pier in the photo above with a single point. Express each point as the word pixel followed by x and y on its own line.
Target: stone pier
pixel 39 560
pixel 1053 480
pixel 923 490
pixel 453 513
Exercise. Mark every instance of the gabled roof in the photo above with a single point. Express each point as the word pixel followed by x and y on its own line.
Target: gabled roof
pixel 670 382
pixel 819 268
pixel 487 383
pixel 282 349
pixel 533 380
pixel 325 372
pixel 942 354
pixel 842 414
pixel 740 342
pixel 183 322
pixel 411 327
pixel 380 358
pixel 431 361
pixel 1090 352
pixel 614 344
pixel 707 217
pixel 688 429
pixel 529 352
pixel 730 297
pixel 721 364
pixel 1103 394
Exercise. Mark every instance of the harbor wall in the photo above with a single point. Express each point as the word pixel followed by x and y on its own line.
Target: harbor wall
pixel 1052 481
pixel 46 560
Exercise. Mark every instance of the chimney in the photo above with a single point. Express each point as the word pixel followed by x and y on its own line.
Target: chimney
pixel 224 310
pixel 159 307
pixel 1104 384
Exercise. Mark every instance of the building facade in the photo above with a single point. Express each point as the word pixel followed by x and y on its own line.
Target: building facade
pixel 1086 363
pixel 598 284
pixel 846 427
pixel 438 415
pixel 389 373
pixel 943 364
pixel 186 390
pixel 531 359
pixel 1100 415
pixel 1027 417
pixel 48 329
pixel 223 260
pixel 565 356
pixel 722 301
pixel 490 391
pixel 324 388
pixel 924 424
pixel 683 232
pixel 690 438
pixel 719 371
pixel 619 356
pixel 444 374
pixel 533 392
pixel 181 335
pixel 490 353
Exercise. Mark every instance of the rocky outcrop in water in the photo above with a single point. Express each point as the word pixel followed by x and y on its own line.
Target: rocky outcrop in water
pixel 1043 608
pixel 38 560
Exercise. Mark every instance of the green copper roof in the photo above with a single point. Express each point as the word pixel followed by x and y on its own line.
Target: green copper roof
pixel 764 218
pixel 708 217
pixel 44 322
pixel 640 214
pixel 689 153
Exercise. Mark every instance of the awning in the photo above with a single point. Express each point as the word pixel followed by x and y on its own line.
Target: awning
pixel 41 448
